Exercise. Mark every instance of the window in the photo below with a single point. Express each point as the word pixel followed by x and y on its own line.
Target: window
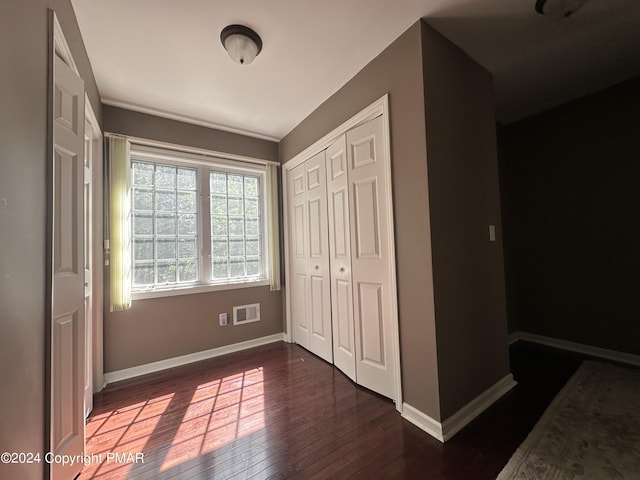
pixel 195 223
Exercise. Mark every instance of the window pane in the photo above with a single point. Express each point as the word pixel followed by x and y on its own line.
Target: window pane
pixel 143 224
pixel 166 272
pixel 186 179
pixel 187 202
pixel 142 173
pixel 165 176
pixel 218 182
pixel 251 226
pixel 253 247
pixel 166 249
pixel 166 224
pixel 251 206
pixel 234 184
pixel 253 267
pixel 143 249
pixel 218 204
pixel 220 268
pixel 164 206
pixel 219 247
pixel 166 201
pixel 188 270
pixel 236 247
pixel 143 274
pixel 187 224
pixel 142 198
pixel 251 186
pixel 219 226
pixel 235 206
pixel 236 226
pixel 236 267
pixel 187 248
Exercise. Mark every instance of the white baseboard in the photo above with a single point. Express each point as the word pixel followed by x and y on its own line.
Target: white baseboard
pixel 423 421
pixel 475 407
pixel 443 431
pixel 598 352
pixel 132 372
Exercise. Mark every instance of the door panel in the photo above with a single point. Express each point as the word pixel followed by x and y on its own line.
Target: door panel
pixel 298 229
pixel 371 275
pixel 317 307
pixel 366 218
pixel 320 342
pixel 68 319
pixel 340 259
pixel 371 324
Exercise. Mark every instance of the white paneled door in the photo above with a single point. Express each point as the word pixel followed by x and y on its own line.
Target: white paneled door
pixel 311 303
pixel 344 354
pixel 68 291
pixel 341 237
pixel 371 257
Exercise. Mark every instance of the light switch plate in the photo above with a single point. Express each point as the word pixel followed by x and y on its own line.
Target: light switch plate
pixel 492 233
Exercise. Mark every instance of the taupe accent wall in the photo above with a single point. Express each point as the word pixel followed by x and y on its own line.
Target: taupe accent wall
pixel 468 269
pixel 23 218
pixel 397 71
pixel 571 183
pixel 151 127
pixel 162 328
pixel 453 332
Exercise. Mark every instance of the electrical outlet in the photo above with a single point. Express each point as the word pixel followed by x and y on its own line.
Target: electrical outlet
pixel 223 319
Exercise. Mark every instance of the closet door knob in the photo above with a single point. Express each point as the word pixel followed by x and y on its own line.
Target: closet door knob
pixel 317 267
pixel 341 269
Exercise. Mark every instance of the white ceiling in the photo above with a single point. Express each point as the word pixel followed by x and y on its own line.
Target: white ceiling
pixel 164 56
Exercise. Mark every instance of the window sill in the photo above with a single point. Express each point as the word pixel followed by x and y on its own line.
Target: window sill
pixel 193 289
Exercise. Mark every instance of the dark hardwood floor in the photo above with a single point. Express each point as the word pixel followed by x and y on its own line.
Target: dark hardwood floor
pixel 278 411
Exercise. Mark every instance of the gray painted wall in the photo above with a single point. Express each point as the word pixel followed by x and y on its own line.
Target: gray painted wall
pixel 397 71
pixel 471 320
pixel 127 122
pixel 454 341
pixel 23 210
pixel 160 328
pixel 571 195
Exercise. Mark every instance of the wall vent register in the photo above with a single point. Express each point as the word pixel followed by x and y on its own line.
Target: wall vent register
pixel 246 314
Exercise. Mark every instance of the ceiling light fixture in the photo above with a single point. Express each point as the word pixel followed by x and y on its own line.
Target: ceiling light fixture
pixel 558 8
pixel 242 43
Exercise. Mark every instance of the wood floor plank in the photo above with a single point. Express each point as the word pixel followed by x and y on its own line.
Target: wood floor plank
pixel 279 412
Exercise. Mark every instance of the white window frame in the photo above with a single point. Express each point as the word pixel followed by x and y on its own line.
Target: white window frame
pixel 204 165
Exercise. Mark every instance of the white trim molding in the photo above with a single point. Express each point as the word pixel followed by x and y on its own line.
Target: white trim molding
pixel 147 368
pixel 423 421
pixel 444 431
pixel 134 107
pixel 590 350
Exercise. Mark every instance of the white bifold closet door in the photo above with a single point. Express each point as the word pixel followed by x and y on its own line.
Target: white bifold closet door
pixel 311 303
pixel 355 261
pixel 372 256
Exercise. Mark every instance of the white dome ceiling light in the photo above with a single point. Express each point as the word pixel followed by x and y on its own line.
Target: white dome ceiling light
pixel 242 43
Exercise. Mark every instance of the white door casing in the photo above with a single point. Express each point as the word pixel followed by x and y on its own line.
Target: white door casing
pixel 88 267
pixel 68 297
pixel 373 286
pixel 344 355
